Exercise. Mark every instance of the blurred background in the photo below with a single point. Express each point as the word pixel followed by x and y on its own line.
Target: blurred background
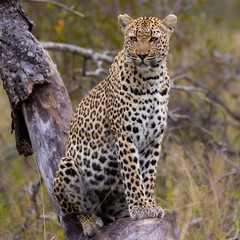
pixel 199 170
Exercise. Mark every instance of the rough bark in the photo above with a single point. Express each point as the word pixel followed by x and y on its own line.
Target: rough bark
pixel 41 111
pixel 151 228
pixel 41 108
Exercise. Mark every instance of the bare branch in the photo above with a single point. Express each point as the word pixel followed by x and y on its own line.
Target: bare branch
pixel 188 88
pixel 60 5
pixel 87 53
pixel 235 223
pixel 174 116
pixel 211 96
pixel 235 172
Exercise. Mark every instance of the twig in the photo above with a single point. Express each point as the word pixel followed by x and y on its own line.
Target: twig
pixel 235 172
pixel 235 221
pixel 188 88
pixel 195 221
pixel 33 191
pixel 60 5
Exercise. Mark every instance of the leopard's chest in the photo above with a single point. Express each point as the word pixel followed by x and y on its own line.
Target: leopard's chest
pixel 146 120
pixel 137 106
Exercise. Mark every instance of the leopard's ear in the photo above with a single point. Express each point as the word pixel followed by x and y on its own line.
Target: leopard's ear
pixel 169 23
pixel 124 22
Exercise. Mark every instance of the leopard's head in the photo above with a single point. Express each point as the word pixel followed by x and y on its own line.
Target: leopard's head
pixel 146 39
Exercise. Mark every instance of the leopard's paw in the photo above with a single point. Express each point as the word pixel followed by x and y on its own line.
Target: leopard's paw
pixel 92 225
pixel 147 212
pixel 159 212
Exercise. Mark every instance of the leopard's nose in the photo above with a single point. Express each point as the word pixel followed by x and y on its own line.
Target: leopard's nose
pixel 142 56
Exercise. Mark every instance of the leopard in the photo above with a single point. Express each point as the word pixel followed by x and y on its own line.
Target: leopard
pixel 114 139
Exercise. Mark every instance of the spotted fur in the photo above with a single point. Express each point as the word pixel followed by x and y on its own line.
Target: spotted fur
pixel 114 138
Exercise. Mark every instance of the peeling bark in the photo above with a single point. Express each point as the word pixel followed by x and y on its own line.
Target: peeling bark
pixel 41 112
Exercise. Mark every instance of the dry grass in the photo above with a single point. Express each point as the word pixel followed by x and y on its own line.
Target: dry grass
pixel 206 200
pixel 23 217
pixel 191 181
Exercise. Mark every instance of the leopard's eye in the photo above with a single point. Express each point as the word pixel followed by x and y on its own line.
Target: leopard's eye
pixel 133 39
pixel 153 39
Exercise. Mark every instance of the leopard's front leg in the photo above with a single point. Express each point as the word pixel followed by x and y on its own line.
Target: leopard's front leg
pixel 149 157
pixel 139 207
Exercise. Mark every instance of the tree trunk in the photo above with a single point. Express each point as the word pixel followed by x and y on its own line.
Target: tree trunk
pixel 41 112
pixel 41 108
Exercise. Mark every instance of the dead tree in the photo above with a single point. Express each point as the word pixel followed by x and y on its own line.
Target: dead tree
pixel 41 111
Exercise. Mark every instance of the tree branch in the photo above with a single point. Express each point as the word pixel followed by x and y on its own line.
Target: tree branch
pixel 150 228
pixel 87 53
pixel 60 5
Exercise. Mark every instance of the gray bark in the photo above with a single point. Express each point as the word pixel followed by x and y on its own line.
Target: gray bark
pixel 41 108
pixel 41 111
pixel 151 228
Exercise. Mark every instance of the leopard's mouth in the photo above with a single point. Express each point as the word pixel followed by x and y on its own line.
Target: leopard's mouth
pixel 143 66
pixel 150 63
